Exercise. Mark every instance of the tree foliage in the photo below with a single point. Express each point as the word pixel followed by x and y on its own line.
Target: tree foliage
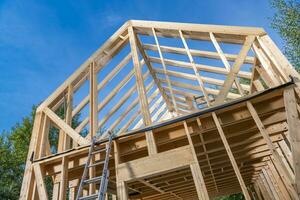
pixel 13 152
pixel 287 22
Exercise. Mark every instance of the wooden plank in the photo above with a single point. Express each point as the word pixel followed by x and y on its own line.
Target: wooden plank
pixel 156 164
pixel 231 157
pixel 234 70
pixel 294 134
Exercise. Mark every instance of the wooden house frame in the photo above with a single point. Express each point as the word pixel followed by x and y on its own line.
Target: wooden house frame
pixel 183 129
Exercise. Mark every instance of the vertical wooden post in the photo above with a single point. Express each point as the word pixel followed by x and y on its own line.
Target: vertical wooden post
pixel 121 185
pixel 93 118
pixel 28 173
pixel 195 169
pixel 66 145
pixel 55 191
pixel 152 149
pixel 122 191
pixel 44 137
pixel 231 157
pixel 294 133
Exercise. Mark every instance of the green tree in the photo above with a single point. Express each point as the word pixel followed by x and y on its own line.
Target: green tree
pixel 287 22
pixel 13 153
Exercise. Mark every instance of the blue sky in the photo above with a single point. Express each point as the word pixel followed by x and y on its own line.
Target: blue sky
pixel 43 42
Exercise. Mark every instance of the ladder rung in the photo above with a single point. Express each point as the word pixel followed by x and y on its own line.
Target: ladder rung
pixel 97 163
pixel 93 180
pixel 98 151
pixel 93 196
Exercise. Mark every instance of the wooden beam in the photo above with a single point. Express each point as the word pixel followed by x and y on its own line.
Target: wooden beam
pixel 234 70
pixel 156 164
pixel 231 157
pixel 152 149
pixel 294 134
pixel 235 30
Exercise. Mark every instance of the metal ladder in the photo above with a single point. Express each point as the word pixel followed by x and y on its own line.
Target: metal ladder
pixel 103 179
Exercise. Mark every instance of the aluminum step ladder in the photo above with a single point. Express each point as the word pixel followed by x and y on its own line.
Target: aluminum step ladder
pixel 103 179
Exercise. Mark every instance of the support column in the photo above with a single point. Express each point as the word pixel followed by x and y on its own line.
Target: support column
pixel 93 119
pixel 66 145
pixel 122 190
